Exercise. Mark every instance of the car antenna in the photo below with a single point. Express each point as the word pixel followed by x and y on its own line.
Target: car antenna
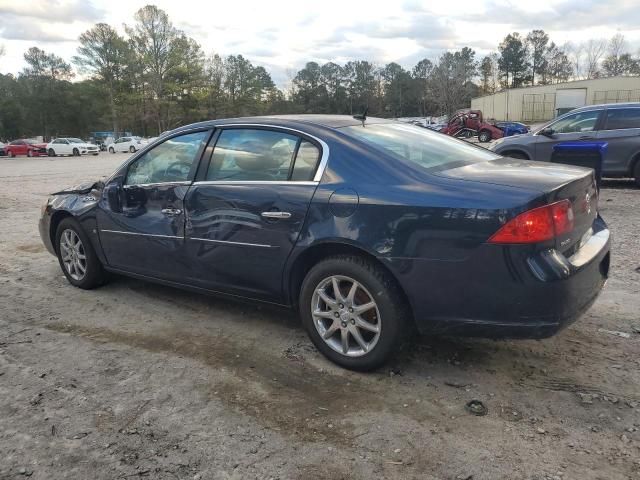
pixel 362 116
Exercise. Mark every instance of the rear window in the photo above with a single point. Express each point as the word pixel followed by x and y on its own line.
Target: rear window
pixel 621 118
pixel 429 149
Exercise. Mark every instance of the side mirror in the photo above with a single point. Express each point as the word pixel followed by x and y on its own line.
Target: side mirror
pixel 114 198
pixel 547 132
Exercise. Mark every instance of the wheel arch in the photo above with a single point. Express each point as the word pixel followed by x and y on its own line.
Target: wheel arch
pixel 56 218
pixel 319 251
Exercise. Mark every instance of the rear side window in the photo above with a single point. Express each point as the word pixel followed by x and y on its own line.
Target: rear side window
pixel 169 161
pixel 243 154
pixel 622 118
pixel 429 149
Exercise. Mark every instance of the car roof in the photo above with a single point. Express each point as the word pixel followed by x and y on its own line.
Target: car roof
pixel 607 105
pixel 326 121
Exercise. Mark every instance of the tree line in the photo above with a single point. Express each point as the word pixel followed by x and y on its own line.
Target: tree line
pixel 155 78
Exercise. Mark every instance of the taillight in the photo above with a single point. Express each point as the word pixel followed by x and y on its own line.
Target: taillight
pixel 537 225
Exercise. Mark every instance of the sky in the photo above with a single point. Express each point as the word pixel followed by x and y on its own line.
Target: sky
pixel 282 35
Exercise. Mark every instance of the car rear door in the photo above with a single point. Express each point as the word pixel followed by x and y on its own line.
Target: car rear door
pixel 246 212
pixel 141 218
pixel 575 127
pixel 621 131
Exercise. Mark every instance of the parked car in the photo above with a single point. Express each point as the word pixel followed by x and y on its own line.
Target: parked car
pixel 618 124
pixel 469 123
pixel 2 152
pixel 369 228
pixel 125 144
pixel 512 128
pixel 71 146
pixel 27 147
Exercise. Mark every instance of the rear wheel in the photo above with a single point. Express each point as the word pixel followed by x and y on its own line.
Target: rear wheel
pixel 353 312
pixel 636 173
pixel 51 152
pixel 484 136
pixel 76 255
pixel 132 149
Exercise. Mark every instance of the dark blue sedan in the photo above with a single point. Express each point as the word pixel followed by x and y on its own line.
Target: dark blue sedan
pixel 371 229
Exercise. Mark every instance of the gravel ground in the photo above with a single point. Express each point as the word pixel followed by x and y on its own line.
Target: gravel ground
pixel 138 380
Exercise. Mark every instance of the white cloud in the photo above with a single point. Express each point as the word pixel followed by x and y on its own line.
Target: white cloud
pixel 283 35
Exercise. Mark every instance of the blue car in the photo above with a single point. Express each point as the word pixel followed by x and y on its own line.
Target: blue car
pixel 371 229
pixel 512 128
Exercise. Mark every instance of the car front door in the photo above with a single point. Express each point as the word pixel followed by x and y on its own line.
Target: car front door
pixel 63 147
pixel 576 127
pixel 621 131
pixel 245 215
pixel 141 217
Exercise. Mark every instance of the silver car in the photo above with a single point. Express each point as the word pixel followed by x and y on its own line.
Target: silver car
pixel 618 124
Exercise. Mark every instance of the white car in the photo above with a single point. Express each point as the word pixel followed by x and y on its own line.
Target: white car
pixel 125 144
pixel 71 146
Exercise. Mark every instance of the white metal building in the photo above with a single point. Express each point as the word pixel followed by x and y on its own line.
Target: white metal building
pixel 542 102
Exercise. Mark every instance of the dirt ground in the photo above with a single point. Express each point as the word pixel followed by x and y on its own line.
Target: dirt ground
pixel 135 380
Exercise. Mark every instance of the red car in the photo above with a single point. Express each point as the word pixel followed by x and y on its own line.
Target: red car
pixel 27 147
pixel 469 123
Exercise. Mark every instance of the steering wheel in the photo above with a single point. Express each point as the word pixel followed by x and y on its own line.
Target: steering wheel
pixel 177 170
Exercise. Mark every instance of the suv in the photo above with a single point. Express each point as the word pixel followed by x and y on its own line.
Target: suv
pixel 125 144
pixel 618 124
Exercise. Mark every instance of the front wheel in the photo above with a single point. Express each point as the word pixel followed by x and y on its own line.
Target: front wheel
pixel 353 312
pixel 29 153
pixel 111 150
pixel 76 152
pixel 636 173
pixel 132 149
pixel 484 136
pixel 76 255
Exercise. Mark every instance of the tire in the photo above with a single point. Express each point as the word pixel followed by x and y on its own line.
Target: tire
pixel 484 136
pixel 29 153
pixel 518 155
pixel 51 152
pixel 132 149
pixel 94 274
pixel 389 315
pixel 111 150
pixel 76 152
pixel 12 155
pixel 636 173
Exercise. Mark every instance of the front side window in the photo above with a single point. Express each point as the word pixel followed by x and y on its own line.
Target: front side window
pixel 623 118
pixel 170 161
pixel 252 155
pixel 429 149
pixel 577 122
pixel 75 140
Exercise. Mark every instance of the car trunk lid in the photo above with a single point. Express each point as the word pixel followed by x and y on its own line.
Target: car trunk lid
pixel 555 182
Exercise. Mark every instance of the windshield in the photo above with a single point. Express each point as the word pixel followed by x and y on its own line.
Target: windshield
pixel 75 140
pixel 429 149
pixel 30 142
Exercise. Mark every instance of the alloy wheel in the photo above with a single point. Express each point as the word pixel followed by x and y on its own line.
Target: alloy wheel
pixel 73 254
pixel 346 316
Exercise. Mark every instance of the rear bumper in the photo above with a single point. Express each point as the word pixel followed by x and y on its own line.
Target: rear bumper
pixel 506 291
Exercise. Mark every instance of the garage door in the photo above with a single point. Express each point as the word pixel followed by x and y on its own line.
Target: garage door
pixel 571 98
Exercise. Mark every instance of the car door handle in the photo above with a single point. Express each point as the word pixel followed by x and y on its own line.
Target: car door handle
pixel 276 215
pixel 171 212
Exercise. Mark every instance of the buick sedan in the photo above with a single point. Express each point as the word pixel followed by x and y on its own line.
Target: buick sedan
pixel 371 229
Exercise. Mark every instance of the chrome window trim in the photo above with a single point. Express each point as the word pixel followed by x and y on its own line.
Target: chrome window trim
pixel 256 182
pixel 227 242
pixel 324 157
pixel 120 232
pixel 155 184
